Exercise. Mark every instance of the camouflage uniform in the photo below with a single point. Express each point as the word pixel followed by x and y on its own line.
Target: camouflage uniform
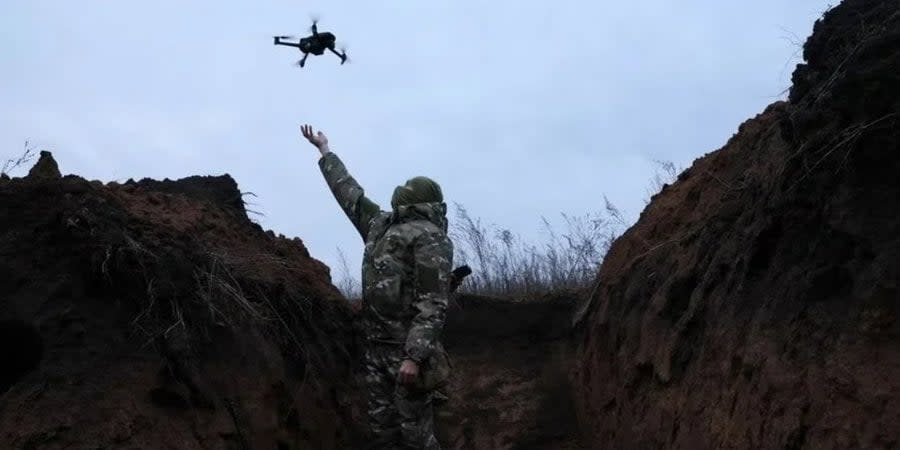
pixel 405 271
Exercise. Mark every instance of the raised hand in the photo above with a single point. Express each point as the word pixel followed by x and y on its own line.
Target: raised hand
pixel 319 140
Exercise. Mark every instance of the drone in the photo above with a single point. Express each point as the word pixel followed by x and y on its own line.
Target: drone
pixel 315 44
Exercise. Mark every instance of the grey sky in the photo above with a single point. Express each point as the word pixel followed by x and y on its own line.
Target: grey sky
pixel 518 108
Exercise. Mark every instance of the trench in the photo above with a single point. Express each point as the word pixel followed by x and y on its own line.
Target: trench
pixel 21 350
pixel 510 388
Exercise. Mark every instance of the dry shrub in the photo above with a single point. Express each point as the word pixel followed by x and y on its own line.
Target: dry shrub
pixel 14 163
pixel 505 265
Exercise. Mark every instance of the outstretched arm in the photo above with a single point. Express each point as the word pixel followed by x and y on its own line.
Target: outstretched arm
pixel 433 256
pixel 348 193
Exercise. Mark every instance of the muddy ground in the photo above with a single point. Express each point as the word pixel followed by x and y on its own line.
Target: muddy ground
pixel 511 389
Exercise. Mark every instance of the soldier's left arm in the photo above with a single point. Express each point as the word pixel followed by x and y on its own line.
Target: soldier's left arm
pixel 433 258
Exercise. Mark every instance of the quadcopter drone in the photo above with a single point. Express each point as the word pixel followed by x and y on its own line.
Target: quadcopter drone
pixel 315 44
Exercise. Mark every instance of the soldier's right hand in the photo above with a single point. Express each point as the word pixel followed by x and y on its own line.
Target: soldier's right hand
pixel 318 139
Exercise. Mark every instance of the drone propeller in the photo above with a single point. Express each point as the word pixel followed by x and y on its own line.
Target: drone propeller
pixel 283 37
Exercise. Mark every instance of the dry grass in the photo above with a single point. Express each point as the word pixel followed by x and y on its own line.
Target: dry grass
pixel 220 293
pixel 348 284
pixel 568 259
pixel 13 164
pixel 666 173
pixel 504 264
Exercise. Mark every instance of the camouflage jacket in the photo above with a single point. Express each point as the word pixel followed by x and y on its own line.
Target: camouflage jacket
pixel 405 268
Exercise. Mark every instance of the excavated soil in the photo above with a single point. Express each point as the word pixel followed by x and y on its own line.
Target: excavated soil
pixel 157 315
pixel 755 302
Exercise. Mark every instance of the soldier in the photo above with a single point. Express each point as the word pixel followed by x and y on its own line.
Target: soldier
pixel 405 277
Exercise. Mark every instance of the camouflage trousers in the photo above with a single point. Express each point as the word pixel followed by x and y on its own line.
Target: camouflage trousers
pixel 398 418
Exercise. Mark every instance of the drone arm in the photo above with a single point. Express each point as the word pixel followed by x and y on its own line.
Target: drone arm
pixel 343 56
pixel 287 44
pixel 302 62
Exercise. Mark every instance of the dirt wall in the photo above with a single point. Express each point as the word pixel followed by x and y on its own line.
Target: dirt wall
pixel 754 303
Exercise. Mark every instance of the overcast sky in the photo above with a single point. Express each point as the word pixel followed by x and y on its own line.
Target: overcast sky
pixel 520 109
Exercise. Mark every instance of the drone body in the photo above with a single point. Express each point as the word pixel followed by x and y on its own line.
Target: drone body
pixel 314 44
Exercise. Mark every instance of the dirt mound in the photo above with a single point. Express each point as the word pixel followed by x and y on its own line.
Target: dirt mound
pixel 157 315
pixel 754 303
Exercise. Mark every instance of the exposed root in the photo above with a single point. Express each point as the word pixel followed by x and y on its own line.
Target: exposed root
pixel 847 137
